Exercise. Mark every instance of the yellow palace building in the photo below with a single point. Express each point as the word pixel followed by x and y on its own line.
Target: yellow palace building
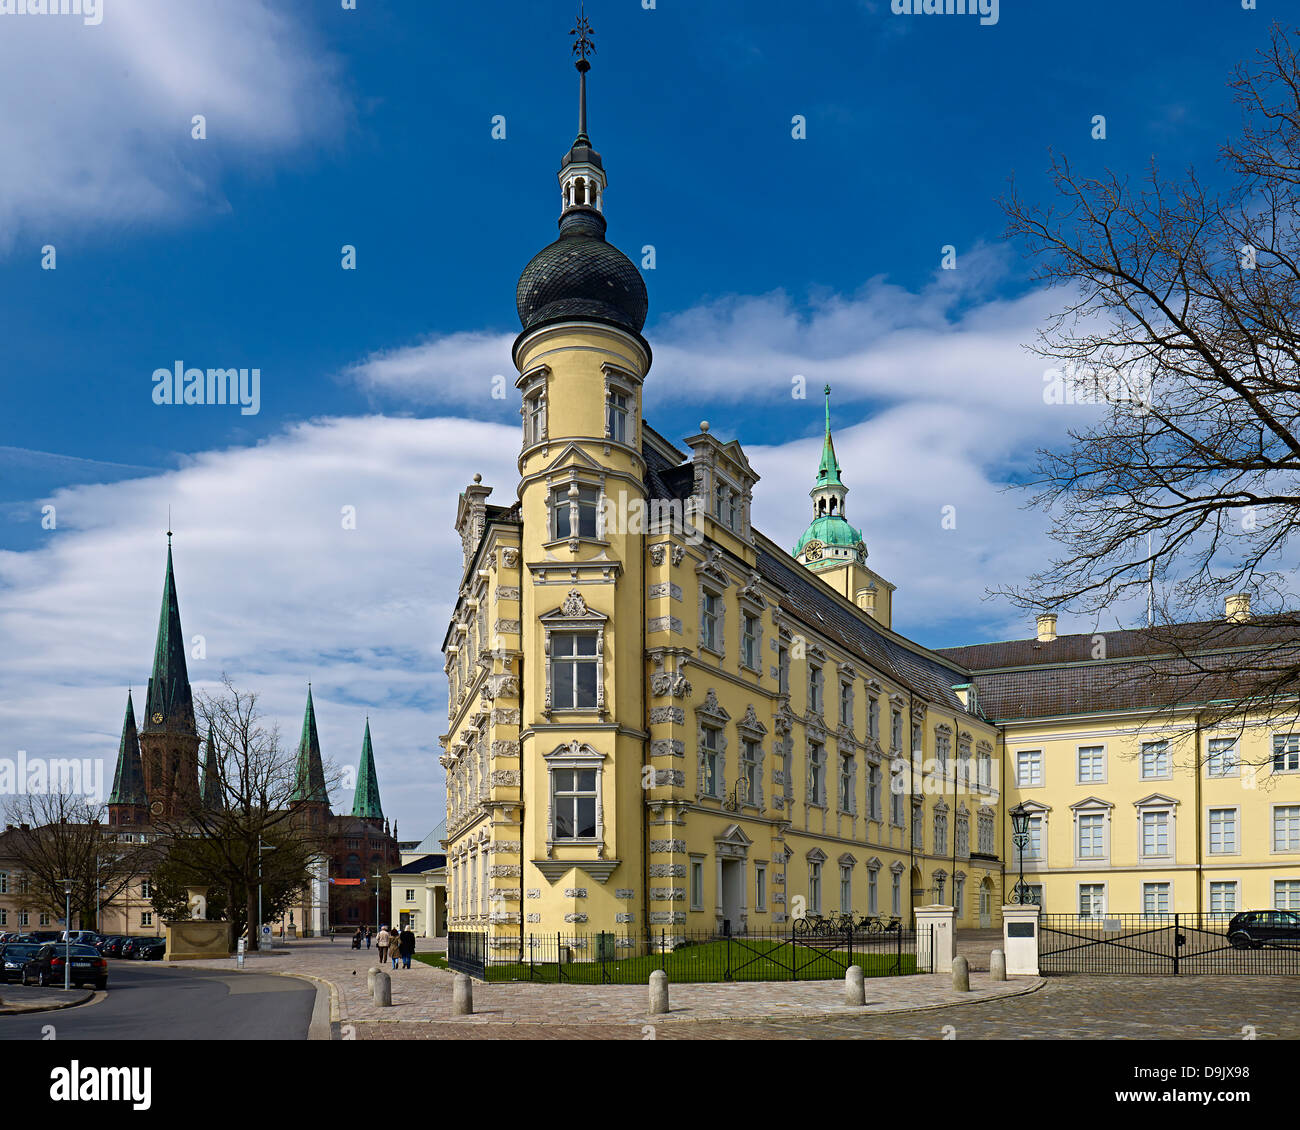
pixel 662 721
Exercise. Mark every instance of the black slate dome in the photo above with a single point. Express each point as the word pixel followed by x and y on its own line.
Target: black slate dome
pixel 580 275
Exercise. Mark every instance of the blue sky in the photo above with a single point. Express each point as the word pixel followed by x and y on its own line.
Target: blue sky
pixel 326 126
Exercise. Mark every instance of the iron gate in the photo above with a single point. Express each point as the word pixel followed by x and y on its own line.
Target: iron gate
pixel 1156 944
pixel 467 953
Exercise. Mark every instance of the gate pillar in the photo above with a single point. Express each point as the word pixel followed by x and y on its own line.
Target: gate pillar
pixel 940 918
pixel 1020 939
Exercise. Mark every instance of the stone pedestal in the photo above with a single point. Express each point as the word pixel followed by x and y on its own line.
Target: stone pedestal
pixel 945 939
pixel 1020 939
pixel 189 939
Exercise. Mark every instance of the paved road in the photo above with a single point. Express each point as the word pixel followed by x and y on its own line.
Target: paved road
pixel 153 1002
pixel 1066 1008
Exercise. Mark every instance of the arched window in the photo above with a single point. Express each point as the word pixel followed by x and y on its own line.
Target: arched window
pixel 352 869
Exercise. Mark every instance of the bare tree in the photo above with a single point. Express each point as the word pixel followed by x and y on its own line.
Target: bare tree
pixel 64 836
pixel 1182 322
pixel 247 828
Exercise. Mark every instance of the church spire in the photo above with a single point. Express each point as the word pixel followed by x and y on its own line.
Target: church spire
pixel 169 702
pixel 309 782
pixel 828 472
pixel 128 801
pixel 582 176
pixel 211 792
pixel 365 801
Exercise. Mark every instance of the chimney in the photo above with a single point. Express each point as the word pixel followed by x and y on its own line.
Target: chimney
pixel 1237 607
pixel 1047 627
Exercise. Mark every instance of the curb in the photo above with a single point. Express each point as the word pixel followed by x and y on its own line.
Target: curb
pixel 325 1018
pixel 89 996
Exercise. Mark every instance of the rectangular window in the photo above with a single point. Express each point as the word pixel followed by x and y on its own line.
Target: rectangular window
pixel 896 797
pixel 783 668
pixel 1155 833
pixel 896 894
pixel 535 414
pixel 410 894
pixel 146 889
pixel 963 834
pixel 748 772
pixel 697 884
pixel 1155 759
pixel 846 889
pixel 1222 758
pixel 814 688
pixel 43 919
pixel 710 784
pixel 1223 897
pixel 4 882
pixel 616 413
pixel 1092 764
pixel 1092 900
pixel 942 747
pixel 760 886
pixel 1223 831
pixel 573 670
pixel 918 832
pixel 1286 894
pixel 1034 849
pixel 710 617
pixel 749 642
pixel 984 770
pixel 958 896
pixel 1286 827
pixel 846 704
pixel 896 731
pixel 873 792
pixel 1091 835
pixel 816 774
pixel 873 717
pixel 23 918
pixel 586 503
pixel 1286 753
pixel 574 804
pixel 1155 898
pixel 814 887
pixel 1029 768
pixel 4 916
pixel 846 784
pixel 873 892
pixel 940 833
pixel 146 919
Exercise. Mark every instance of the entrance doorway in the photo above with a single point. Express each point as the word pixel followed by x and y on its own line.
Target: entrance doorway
pixel 733 880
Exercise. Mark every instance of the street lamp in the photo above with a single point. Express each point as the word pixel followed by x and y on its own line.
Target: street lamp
pixel 258 943
pixel 376 877
pixel 1020 817
pixel 67 934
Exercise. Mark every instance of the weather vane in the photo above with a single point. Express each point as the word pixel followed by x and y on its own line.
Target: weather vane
pixel 584 45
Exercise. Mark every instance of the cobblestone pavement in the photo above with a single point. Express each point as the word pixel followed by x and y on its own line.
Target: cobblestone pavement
pixel 1066 1008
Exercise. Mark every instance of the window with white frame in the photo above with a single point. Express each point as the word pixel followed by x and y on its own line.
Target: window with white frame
pixel 873 717
pixel 1223 896
pixel 984 769
pixel 1034 849
pixel 896 893
pixel 1221 759
pixel 4 882
pixel 1155 833
pixel 963 833
pixel 942 748
pixel 873 890
pixel 749 641
pixel 783 667
pixel 710 783
pixel 1155 759
pixel 617 412
pixel 1286 827
pixel 814 886
pixel 4 916
pixel 1092 835
pixel 43 919
pixel 1223 831
pixel 1029 768
pixel 814 688
pixel 749 756
pixel 959 895
pixel 573 511
pixel 847 775
pixel 697 884
pixel 574 670
pixel 873 791
pixel 1092 900
pixel 941 831
pixel 846 888
pixel 1286 894
pixel 146 889
pixel 896 806
pixel 23 918
pixel 146 919
pixel 986 833
pixel 760 886
pixel 1286 753
pixel 711 621
pixel 918 831
pixel 410 894
pixel 846 704
pixel 1092 764
pixel 816 773
pixel 535 418
pixel 896 730
pixel 1155 898
pixel 574 799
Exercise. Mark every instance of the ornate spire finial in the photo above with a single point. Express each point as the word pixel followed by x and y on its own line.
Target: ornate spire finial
pixel 169 527
pixel 827 390
pixel 583 46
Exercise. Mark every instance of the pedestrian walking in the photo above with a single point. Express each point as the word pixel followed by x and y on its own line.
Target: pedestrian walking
pixel 381 943
pixel 368 937
pixel 356 939
pixel 406 946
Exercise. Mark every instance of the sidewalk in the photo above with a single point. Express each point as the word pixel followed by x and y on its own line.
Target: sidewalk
pixel 31 998
pixel 422 994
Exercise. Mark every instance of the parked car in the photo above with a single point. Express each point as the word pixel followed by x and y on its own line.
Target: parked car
pixel 13 956
pixel 105 942
pixel 81 937
pixel 144 949
pixel 1253 929
pixel 45 966
pixel 112 946
pixel 41 936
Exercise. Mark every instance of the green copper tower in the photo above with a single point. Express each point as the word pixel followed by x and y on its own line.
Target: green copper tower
pixel 365 801
pixel 829 539
pixel 309 782
pixel 128 803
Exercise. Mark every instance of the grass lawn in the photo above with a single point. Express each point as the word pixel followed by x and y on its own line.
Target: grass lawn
pixel 751 960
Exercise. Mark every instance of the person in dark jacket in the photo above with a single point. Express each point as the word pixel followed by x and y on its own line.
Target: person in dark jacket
pixel 406 946
pixel 356 939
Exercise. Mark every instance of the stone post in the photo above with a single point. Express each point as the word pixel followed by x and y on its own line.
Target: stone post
pixel 1020 939
pixel 370 979
pixel 945 939
pixel 658 992
pixel 462 995
pixel 997 966
pixel 383 989
pixel 855 987
pixel 960 974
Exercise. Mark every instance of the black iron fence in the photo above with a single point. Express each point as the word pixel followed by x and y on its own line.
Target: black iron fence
pixel 1162 943
pixel 610 958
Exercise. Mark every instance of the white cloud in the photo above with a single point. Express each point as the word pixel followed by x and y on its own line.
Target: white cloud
pixel 97 127
pixel 280 591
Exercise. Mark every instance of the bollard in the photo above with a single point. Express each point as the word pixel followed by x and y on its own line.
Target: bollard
pixel 370 979
pixel 855 988
pixel 383 989
pixel 997 966
pixel 658 992
pixel 960 974
pixel 462 995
